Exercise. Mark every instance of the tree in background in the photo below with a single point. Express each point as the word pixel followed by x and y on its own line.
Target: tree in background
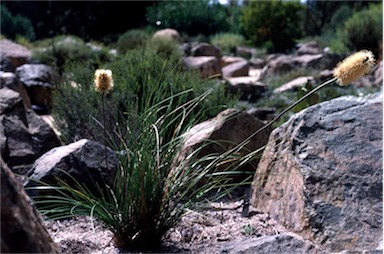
pixel 364 30
pixel 15 25
pixel 323 15
pixel 272 24
pixel 86 19
pixel 318 14
pixel 189 17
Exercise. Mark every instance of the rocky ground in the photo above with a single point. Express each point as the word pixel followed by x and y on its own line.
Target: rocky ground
pixel 202 232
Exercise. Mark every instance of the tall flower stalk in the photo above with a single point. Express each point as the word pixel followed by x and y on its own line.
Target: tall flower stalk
pixel 103 84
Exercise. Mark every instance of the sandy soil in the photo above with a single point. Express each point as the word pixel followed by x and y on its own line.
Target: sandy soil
pixel 201 232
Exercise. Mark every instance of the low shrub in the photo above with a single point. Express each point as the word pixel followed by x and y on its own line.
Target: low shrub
pixel 132 39
pixel 60 51
pixel 165 47
pixel 227 42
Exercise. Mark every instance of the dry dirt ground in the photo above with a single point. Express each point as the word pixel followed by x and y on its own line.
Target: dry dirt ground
pixel 202 232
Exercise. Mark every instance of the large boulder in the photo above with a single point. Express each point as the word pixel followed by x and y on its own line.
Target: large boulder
pixel 9 79
pixel 22 229
pixel 247 88
pixel 245 52
pixel 280 63
pixel 287 243
pixel 277 64
pixel 373 80
pixel 12 55
pixel 167 33
pixel 294 84
pixel 86 161
pixel 39 80
pixel 321 174
pixel 258 63
pixel 25 136
pixel 309 48
pixel 378 75
pixel 206 49
pixel 236 69
pixel 227 60
pixel 207 66
pixel 222 133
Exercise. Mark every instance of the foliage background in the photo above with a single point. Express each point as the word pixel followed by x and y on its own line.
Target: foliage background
pixel 274 25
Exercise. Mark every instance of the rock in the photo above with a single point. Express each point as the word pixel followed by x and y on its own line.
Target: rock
pixel 206 49
pixel 226 130
pixel 186 48
pixel 236 69
pixel 287 243
pixel 378 75
pixel 309 61
pixel 26 135
pixel 3 139
pixel 330 61
pixel 256 73
pixel 227 60
pixel 258 63
pixel 274 56
pixel 262 113
pixel 208 66
pixel 22 230
pixel 321 174
pixel 12 103
pixel 278 64
pixel 9 79
pixel 245 52
pixel 325 75
pixel 38 79
pixel 293 85
pixel 248 88
pixel 13 55
pixel 167 33
pixel 83 160
pixel 309 48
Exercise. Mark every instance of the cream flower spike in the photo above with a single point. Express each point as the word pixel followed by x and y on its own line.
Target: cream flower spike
pixel 103 81
pixel 354 67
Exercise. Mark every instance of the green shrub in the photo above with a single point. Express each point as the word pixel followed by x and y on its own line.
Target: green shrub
pixel 165 46
pixel 273 22
pixel 132 39
pixel 23 41
pixel 14 25
pixel 63 50
pixel 227 42
pixel 190 17
pixel 364 30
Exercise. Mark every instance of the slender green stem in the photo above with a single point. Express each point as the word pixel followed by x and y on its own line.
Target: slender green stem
pixel 105 131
